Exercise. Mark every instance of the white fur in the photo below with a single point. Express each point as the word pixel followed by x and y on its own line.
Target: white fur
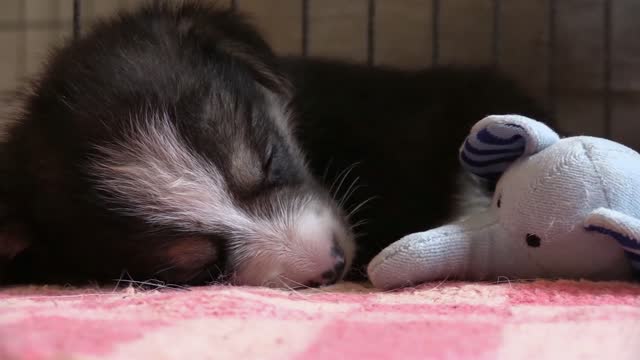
pixel 470 197
pixel 245 166
pixel 281 114
pixel 153 175
pixel 161 180
pixel 302 255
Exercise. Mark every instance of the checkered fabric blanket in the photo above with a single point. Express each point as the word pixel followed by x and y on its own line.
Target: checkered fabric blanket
pixel 534 320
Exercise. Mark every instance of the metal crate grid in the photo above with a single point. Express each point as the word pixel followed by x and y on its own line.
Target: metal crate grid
pixel 73 16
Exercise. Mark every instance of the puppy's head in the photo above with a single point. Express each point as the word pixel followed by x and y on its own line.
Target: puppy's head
pixel 209 155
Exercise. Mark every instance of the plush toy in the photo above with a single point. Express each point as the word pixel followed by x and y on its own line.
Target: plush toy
pixel 562 208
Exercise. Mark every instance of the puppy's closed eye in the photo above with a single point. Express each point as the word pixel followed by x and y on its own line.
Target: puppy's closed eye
pixel 268 163
pixel 278 170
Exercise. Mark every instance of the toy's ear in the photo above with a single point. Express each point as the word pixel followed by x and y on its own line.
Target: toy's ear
pixel 623 228
pixel 496 141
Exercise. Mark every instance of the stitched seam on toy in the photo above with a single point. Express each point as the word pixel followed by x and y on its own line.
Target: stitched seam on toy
pixel 562 164
pixel 598 174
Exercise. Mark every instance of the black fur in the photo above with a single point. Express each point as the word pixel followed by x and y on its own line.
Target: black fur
pixel 157 59
pixel 403 128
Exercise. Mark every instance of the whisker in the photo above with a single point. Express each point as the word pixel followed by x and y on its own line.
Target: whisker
pixel 359 206
pixel 350 191
pixel 164 270
pixel 119 280
pixel 359 235
pixel 131 281
pixel 341 177
pixel 220 280
pixel 154 284
pixel 504 279
pixel 326 171
pixel 337 178
pixel 359 223
pixel 290 288
pixel 301 285
pixel 344 177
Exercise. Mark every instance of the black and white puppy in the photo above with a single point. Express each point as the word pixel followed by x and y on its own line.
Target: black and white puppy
pixel 170 143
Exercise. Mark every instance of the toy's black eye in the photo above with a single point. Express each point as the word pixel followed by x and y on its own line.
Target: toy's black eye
pixel 499 202
pixel 533 240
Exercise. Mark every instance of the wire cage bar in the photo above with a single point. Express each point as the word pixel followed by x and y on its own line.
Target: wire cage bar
pixel 435 25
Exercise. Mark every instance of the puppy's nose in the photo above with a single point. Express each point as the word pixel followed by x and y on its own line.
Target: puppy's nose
pixel 331 276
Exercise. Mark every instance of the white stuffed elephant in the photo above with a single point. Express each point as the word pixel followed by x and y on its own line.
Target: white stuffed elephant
pixel 563 208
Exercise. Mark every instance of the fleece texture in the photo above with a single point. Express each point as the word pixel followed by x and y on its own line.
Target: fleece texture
pixel 446 320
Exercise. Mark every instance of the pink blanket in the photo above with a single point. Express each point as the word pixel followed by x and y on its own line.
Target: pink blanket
pixel 539 320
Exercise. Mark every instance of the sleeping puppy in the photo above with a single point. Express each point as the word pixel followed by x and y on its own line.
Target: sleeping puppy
pixel 172 144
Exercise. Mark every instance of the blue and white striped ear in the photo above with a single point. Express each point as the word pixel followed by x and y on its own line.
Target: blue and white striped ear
pixel 496 141
pixel 623 228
